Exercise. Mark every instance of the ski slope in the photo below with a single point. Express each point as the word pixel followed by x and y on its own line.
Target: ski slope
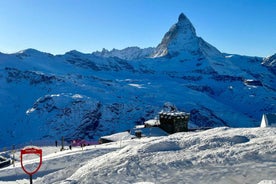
pixel 219 155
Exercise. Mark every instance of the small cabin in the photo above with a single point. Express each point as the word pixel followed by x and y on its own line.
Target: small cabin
pixel 268 120
pixel 173 122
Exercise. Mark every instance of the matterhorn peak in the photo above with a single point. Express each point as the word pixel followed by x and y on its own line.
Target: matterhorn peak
pixel 185 23
pixel 182 39
pixel 180 36
pixel 182 17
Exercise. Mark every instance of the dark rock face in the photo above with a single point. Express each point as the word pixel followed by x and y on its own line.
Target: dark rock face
pixel 270 62
pixel 204 89
pixel 90 121
pixel 206 118
pixel 34 78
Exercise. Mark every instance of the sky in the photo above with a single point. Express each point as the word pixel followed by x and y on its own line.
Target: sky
pixel 245 27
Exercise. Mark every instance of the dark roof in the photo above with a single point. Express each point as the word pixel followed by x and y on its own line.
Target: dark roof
pixel 149 132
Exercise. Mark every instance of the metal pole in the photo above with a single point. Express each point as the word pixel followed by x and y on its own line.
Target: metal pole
pixel 31 179
pixel 62 143
pixel 13 156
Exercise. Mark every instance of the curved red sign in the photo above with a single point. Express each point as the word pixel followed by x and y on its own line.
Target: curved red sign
pixel 31 150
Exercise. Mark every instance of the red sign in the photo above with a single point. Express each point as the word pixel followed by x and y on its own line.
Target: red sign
pixel 31 150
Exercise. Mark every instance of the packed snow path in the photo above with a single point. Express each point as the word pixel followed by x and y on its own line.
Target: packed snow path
pixel 220 155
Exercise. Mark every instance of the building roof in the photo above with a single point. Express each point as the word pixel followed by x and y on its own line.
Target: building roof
pixel 152 122
pixel 118 136
pixel 146 132
pixel 149 132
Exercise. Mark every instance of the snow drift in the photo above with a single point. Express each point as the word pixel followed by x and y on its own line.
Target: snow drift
pixel 219 155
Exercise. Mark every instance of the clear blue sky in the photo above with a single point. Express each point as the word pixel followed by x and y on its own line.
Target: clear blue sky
pixel 246 27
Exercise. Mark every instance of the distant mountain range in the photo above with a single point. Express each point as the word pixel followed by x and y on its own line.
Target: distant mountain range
pixel 85 96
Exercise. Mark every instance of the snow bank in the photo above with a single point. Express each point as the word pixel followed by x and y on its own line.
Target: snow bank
pixel 219 155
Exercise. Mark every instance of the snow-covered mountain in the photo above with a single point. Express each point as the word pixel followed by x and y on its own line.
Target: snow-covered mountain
pixel 182 39
pixel 79 95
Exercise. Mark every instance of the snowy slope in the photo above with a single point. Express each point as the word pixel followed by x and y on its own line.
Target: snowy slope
pixel 86 96
pixel 219 155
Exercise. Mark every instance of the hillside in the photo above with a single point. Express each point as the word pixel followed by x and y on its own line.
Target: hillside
pixel 85 96
pixel 219 155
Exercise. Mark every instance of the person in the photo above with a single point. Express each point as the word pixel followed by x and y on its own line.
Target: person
pixel 70 147
pixel 56 143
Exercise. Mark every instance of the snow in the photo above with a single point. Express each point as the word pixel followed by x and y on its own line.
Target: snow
pixel 219 155
pixel 139 86
pixel 118 136
pixel 182 40
pixel 77 96
pixel 30 110
pixel 152 122
pixel 86 96
pixel 129 53
pixel 149 132
pixel 89 95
